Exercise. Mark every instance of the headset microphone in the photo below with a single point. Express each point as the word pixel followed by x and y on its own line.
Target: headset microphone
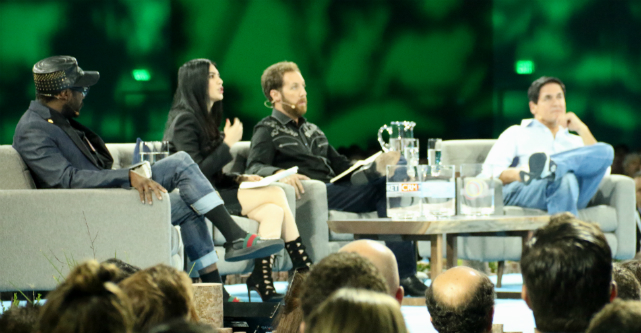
pixel 293 106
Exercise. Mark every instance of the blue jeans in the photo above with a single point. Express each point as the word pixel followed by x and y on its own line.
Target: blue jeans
pixel 366 198
pixel 578 175
pixel 196 196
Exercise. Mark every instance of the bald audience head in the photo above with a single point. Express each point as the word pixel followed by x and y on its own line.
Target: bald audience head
pixel 461 300
pixel 383 258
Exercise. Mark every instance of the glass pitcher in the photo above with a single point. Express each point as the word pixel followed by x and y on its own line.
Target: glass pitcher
pixel 397 131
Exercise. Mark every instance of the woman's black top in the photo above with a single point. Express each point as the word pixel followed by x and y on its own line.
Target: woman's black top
pixel 185 133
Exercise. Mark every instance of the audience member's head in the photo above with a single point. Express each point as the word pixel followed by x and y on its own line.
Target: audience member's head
pixel 632 164
pixel 461 300
pixel 183 326
pixel 567 274
pixel 633 266
pixel 383 258
pixel 21 319
pixel 628 288
pixel 125 269
pixel 290 315
pixel 159 294
pixel 339 270
pixel 87 301
pixel 620 316
pixel 357 310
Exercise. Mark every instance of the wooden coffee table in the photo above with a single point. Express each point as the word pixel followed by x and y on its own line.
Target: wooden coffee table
pixel 433 230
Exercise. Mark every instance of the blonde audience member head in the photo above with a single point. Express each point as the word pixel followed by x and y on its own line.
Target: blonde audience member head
pixel 159 294
pixel 87 301
pixel 357 310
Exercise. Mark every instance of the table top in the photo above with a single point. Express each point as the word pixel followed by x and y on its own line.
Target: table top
pixel 432 226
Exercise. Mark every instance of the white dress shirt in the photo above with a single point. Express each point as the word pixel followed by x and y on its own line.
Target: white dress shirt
pixel 521 141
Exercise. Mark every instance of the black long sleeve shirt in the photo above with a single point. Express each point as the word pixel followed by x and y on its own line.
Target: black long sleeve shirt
pixel 279 143
pixel 186 134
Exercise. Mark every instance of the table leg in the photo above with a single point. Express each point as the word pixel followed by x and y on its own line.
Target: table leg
pixel 436 258
pixel 451 250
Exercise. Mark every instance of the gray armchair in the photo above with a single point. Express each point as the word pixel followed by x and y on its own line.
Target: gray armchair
pixel 42 230
pixel 612 208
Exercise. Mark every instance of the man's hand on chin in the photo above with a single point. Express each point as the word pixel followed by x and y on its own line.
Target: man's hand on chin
pixel 294 181
pixel 146 187
pixel 572 122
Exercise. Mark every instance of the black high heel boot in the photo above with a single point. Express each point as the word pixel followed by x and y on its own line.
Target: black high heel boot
pixel 300 258
pixel 261 280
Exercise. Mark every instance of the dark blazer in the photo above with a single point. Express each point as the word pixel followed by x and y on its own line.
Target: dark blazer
pixel 57 155
pixel 185 133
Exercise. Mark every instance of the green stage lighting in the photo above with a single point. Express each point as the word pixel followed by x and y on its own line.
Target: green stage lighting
pixel 141 74
pixel 524 67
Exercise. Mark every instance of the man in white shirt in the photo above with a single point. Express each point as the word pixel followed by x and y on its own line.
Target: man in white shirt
pixel 541 164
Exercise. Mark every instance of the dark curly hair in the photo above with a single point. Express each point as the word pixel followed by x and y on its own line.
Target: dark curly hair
pixel 620 316
pixel 339 270
pixel 159 294
pixel 473 316
pixel 87 301
pixel 567 273
pixel 633 266
pixel 22 319
pixel 628 288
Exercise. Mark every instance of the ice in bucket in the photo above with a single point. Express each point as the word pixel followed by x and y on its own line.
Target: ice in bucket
pixel 476 190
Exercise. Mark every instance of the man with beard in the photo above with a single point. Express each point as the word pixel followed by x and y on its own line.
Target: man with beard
pixel 286 139
pixel 62 153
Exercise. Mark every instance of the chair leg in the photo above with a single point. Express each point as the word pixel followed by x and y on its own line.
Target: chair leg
pixel 499 273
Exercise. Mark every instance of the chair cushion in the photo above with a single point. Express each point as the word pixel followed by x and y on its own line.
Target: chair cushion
pixel 604 216
pixel 177 249
pixel 14 174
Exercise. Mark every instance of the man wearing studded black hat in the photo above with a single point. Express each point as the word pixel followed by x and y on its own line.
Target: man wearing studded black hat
pixel 62 153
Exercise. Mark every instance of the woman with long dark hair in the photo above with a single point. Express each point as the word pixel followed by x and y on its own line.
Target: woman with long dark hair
pixel 193 127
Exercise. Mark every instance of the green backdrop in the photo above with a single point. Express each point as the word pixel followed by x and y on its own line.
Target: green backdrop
pixel 449 65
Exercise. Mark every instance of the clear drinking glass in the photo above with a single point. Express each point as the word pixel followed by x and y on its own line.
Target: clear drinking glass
pixel 153 151
pixel 438 190
pixel 403 192
pixel 476 194
pixel 434 151
pixel 408 149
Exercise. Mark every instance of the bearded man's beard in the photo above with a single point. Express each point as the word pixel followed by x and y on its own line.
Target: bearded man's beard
pixel 293 109
pixel 69 112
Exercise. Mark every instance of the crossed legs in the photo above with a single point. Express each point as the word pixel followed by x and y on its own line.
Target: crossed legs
pixel 268 206
pixel 578 175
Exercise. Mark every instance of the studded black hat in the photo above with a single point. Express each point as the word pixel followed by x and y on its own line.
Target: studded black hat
pixel 58 73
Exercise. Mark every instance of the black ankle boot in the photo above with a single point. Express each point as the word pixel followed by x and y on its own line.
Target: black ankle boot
pixel 261 280
pixel 300 258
